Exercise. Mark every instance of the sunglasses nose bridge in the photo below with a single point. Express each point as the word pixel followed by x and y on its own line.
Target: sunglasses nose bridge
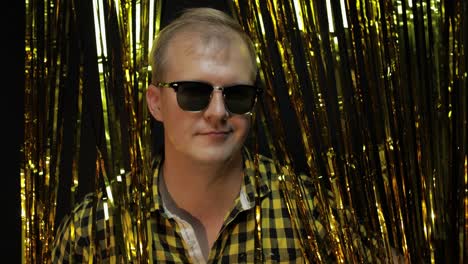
pixel 217 89
pixel 218 102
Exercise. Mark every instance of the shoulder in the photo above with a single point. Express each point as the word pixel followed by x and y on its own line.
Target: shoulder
pixel 84 230
pixel 93 206
pixel 274 172
pixel 266 166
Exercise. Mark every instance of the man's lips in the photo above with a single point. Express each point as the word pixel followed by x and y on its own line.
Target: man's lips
pixel 215 133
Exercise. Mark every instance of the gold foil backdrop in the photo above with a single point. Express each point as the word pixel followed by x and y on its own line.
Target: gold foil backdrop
pixel 62 37
pixel 376 91
pixel 379 91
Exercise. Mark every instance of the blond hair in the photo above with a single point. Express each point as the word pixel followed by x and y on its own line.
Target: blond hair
pixel 207 22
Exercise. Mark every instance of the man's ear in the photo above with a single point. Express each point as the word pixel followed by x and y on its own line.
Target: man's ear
pixel 153 100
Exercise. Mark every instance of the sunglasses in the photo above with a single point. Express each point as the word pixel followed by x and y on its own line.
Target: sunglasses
pixel 196 96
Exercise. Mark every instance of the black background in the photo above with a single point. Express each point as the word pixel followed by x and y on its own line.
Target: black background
pixel 12 38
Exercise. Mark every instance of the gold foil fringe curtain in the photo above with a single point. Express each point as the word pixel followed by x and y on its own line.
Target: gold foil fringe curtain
pixel 378 90
pixel 86 75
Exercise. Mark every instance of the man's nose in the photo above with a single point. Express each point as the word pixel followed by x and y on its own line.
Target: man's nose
pixel 216 108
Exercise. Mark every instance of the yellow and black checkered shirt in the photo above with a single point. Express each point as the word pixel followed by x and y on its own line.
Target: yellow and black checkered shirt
pixel 280 239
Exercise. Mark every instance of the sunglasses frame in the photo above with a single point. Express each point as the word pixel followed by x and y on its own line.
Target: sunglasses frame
pixel 175 86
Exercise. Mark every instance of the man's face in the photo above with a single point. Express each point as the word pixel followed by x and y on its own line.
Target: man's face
pixel 212 135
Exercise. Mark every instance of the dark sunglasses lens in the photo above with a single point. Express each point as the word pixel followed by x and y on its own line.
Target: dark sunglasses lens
pixel 193 96
pixel 240 99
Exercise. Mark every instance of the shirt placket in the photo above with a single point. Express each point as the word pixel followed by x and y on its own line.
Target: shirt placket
pixel 219 247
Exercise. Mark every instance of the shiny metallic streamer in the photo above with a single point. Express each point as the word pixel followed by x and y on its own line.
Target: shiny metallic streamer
pixel 45 71
pixel 133 20
pixel 49 26
pixel 258 252
pixel 374 85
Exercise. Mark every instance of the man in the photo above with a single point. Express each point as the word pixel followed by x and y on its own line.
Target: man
pixel 203 200
pixel 202 91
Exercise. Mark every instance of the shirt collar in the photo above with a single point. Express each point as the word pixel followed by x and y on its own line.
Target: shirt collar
pixel 251 166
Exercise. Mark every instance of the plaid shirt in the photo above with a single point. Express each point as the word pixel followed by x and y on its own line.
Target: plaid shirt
pixel 280 240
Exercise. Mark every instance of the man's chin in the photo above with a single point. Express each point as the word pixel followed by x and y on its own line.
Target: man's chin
pixel 216 156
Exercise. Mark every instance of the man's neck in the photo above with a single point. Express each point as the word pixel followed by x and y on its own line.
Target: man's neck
pixel 202 189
